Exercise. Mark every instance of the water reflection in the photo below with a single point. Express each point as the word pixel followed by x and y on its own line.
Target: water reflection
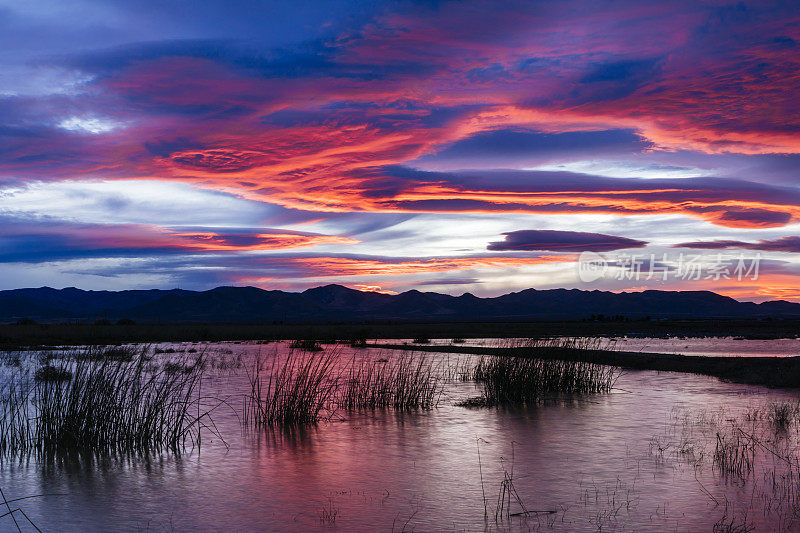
pixel 590 459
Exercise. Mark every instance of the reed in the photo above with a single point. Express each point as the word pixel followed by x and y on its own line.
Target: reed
pixel 10 513
pixel 108 405
pixel 729 523
pixel 51 373
pixel 408 382
pixel 517 380
pixel 414 383
pixel 558 343
pixel 310 387
pixel 783 414
pixel 507 492
pixel 299 389
pixel 120 353
pixel 734 454
pixel 328 513
pixel 358 343
pixel 308 345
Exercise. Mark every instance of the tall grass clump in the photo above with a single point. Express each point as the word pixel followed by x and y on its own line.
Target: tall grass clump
pixel 783 414
pixel 558 344
pixel 408 382
pixel 734 454
pixel 517 380
pixel 308 345
pixel 101 406
pixel 299 389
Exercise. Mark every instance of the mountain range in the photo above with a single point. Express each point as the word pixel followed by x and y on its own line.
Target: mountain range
pixel 335 303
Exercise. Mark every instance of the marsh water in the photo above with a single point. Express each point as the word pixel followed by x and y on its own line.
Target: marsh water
pixel 636 459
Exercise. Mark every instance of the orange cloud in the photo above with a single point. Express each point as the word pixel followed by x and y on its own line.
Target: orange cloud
pixel 347 266
pixel 738 213
pixel 373 288
pixel 317 138
pixel 207 241
pixel 768 286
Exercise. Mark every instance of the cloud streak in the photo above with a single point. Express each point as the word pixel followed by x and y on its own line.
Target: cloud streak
pixel 562 241
pixel 784 244
pixel 27 240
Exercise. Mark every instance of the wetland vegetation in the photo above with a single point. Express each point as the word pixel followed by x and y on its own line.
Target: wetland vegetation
pixel 159 402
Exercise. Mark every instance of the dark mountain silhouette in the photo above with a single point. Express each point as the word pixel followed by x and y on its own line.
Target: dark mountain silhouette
pixel 334 303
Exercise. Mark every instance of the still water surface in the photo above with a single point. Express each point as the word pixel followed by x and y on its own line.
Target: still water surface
pixel 604 462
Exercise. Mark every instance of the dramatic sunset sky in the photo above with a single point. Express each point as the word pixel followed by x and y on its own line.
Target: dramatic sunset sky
pixel 447 146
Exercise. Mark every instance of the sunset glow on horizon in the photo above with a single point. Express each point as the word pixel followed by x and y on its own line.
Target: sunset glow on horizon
pixel 446 146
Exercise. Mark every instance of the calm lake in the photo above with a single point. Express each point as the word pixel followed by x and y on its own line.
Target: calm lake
pixel 641 458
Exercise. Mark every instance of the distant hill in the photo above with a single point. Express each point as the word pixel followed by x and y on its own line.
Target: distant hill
pixel 334 303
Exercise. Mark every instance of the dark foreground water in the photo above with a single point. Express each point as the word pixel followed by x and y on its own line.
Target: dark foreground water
pixel 638 459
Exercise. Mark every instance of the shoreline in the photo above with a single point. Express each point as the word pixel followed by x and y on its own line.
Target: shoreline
pixel 773 372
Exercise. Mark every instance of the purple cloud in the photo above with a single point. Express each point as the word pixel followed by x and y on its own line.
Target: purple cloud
pixel 783 244
pixel 563 241
pixel 520 146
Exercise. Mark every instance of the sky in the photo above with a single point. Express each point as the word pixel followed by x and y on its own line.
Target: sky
pixel 481 147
